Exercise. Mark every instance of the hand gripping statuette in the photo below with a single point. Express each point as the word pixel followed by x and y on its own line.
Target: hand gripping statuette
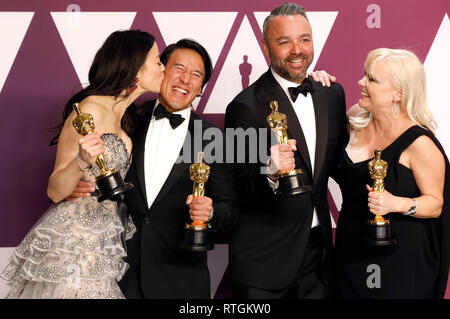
pixel 378 230
pixel 197 234
pixel 109 182
pixel 291 181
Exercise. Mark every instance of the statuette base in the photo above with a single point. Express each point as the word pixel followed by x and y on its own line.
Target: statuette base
pixel 196 238
pixel 291 183
pixel 111 186
pixel 379 234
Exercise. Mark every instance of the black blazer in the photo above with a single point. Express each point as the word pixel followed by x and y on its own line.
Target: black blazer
pixel 267 247
pixel 158 268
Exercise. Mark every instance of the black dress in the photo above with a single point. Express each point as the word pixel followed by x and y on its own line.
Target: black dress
pixel 417 266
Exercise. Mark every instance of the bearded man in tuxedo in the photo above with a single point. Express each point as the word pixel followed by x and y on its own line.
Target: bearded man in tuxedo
pixel 282 246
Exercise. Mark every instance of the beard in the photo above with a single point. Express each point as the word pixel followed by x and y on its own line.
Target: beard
pixel 281 68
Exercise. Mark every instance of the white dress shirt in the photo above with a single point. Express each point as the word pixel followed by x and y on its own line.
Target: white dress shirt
pixel 304 109
pixel 162 147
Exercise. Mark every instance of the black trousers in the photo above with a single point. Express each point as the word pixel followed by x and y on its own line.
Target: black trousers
pixel 131 282
pixel 308 283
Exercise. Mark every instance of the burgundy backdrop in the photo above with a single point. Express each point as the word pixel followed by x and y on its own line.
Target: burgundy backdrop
pixel 42 75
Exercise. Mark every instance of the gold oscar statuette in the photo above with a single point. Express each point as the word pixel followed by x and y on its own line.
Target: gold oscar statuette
pixel 378 230
pixel 197 235
pixel 109 181
pixel 291 181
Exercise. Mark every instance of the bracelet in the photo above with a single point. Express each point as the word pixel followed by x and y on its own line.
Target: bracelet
pixel 81 164
pixel 412 210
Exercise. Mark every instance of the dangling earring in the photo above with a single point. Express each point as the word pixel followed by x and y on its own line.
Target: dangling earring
pixel 133 85
pixel 395 110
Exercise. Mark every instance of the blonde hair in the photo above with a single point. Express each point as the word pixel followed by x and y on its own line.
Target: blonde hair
pixel 407 75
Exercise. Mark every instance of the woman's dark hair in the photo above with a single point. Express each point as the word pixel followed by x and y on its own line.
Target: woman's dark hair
pixel 113 70
pixel 192 45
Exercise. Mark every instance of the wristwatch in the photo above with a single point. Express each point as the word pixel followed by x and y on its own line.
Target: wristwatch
pixel 412 210
pixel 273 177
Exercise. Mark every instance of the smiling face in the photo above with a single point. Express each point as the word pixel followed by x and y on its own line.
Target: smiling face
pixel 289 46
pixel 183 79
pixel 377 92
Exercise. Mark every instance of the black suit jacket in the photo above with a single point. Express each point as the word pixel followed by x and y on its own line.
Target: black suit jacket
pixel 267 248
pixel 158 268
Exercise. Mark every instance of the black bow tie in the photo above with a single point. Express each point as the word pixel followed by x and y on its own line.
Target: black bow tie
pixel 303 88
pixel 174 119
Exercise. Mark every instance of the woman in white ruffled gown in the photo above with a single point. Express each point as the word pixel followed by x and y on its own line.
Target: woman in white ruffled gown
pixel 75 250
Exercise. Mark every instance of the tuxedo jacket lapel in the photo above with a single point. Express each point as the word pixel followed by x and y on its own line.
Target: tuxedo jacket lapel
pixel 321 113
pixel 139 148
pixel 275 92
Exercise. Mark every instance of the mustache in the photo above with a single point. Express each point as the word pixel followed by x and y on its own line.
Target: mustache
pixel 296 56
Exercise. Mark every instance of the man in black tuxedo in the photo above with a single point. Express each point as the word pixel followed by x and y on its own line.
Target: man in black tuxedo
pixel 282 246
pixel 161 204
